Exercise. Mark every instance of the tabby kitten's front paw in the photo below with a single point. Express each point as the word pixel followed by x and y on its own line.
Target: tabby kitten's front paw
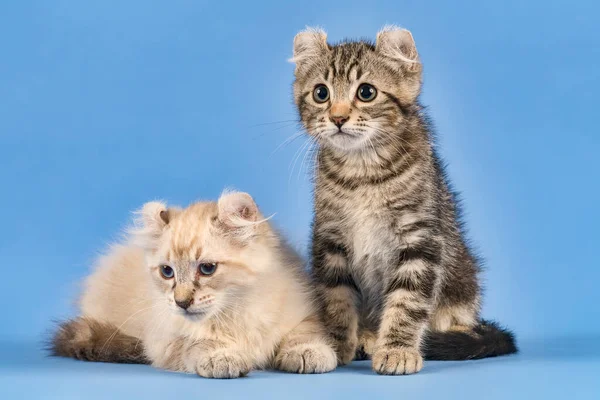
pixel 346 350
pixel 222 364
pixel 397 361
pixel 366 345
pixel 313 358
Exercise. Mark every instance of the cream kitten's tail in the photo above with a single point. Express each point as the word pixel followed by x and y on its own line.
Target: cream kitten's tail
pixel 90 340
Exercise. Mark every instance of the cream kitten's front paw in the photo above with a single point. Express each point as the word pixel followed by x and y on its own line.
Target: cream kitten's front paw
pixel 310 358
pixel 224 364
pixel 397 361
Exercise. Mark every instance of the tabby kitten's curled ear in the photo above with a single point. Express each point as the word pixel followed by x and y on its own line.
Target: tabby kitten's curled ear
pixel 398 47
pixel 150 222
pixel 309 44
pixel 398 44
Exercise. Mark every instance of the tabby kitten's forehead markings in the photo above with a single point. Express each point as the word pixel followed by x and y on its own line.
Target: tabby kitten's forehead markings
pixel 388 255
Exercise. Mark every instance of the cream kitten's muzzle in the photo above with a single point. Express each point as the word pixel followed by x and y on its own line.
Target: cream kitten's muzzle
pixel 189 302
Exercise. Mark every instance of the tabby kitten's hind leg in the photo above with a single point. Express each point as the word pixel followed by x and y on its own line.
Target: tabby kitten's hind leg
pixel 305 350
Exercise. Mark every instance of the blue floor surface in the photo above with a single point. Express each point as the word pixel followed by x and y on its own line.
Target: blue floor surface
pixel 545 369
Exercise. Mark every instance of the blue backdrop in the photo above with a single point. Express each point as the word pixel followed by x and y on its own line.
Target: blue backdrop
pixel 105 105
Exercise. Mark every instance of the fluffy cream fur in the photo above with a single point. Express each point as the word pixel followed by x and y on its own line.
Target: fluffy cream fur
pixel 255 311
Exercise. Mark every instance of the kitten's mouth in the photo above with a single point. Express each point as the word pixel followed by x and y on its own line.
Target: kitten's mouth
pixel 193 313
pixel 342 133
pixel 345 140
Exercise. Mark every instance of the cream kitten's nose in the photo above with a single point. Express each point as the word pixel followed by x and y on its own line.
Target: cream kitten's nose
pixel 185 303
pixel 184 298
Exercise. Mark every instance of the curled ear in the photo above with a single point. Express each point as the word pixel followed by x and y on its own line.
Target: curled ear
pixel 237 208
pixel 238 214
pixel 308 44
pixel 398 44
pixel 150 222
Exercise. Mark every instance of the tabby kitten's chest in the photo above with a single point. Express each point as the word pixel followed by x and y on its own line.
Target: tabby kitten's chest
pixel 370 240
pixel 369 227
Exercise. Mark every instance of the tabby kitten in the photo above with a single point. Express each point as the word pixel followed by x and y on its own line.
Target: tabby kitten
pixel 211 289
pixel 389 257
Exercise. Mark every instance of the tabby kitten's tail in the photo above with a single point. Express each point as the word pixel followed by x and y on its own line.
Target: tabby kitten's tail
pixel 90 340
pixel 487 339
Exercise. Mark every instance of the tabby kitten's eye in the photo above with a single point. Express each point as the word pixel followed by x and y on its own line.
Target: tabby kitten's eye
pixel 321 94
pixel 167 272
pixel 366 92
pixel 207 268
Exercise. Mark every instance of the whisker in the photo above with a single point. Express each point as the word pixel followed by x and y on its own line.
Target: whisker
pixel 298 154
pixel 274 122
pixel 287 141
pixel 273 130
pixel 152 322
pixel 112 336
pixel 311 146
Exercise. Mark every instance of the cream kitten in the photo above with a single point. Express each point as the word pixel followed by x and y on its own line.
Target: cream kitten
pixel 211 289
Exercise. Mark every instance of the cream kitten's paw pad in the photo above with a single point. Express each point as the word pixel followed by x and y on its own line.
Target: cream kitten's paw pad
pixel 397 361
pixel 307 359
pixel 223 364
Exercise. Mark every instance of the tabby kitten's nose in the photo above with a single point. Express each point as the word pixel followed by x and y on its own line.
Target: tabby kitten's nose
pixel 339 114
pixel 185 303
pixel 338 121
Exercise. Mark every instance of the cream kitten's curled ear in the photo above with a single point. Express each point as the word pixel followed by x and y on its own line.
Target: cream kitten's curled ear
pixel 237 209
pixel 398 43
pixel 308 44
pixel 239 214
pixel 149 224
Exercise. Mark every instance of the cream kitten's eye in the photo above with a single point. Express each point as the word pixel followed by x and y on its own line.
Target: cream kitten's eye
pixel 207 268
pixel 366 92
pixel 321 94
pixel 167 272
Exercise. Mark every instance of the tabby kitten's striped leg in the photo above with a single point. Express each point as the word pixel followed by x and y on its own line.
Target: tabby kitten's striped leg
pixel 341 319
pixel 339 298
pixel 408 303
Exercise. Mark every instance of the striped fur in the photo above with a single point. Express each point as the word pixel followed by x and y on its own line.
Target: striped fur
pixel 389 254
